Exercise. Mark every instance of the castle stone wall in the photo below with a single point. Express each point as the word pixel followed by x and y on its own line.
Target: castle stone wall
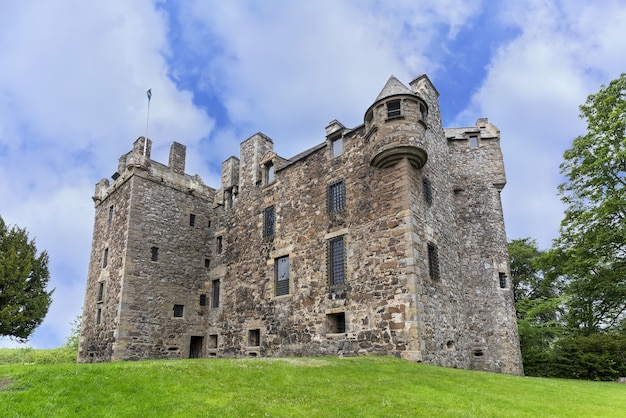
pixel 395 246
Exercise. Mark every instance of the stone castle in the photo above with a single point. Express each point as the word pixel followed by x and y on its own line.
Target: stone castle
pixel 387 238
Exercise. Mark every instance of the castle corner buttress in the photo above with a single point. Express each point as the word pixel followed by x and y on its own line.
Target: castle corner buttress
pixel 384 239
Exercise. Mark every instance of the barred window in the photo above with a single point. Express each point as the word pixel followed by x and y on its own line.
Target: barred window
pixel 215 287
pixel 281 271
pixel 428 191
pixel 336 261
pixel 192 219
pixel 433 261
pixel 268 222
pixel 336 196
pixel 203 300
pixel 178 311
pixel 393 108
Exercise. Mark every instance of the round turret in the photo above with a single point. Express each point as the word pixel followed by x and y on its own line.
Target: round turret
pixel 396 125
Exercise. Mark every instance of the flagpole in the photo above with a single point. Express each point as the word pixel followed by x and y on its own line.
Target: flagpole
pixel 145 138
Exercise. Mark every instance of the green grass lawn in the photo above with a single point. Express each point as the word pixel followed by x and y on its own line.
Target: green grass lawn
pixel 297 387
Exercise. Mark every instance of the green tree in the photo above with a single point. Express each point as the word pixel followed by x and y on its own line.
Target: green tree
pixel 591 247
pixel 538 304
pixel 24 276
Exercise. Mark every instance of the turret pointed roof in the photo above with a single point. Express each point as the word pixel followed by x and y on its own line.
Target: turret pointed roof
pixel 393 87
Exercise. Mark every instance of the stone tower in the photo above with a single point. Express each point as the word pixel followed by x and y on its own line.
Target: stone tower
pixel 387 238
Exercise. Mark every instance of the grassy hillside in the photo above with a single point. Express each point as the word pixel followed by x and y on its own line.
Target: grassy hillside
pixel 302 387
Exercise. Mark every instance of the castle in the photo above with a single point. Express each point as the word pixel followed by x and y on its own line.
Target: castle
pixel 387 238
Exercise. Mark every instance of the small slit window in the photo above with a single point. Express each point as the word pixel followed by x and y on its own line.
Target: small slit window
pixel 110 214
pixel 207 263
pixel 100 295
pixel 393 108
pixel 105 258
pixel 219 245
pixel 203 300
pixel 428 191
pixel 433 261
pixel 178 311
pixel 154 254
pixel 99 316
pixel 502 279
pixel 422 112
pixel 215 293
pixel 192 219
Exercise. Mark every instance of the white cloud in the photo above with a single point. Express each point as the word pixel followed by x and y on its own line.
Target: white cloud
pixel 72 100
pixel 532 92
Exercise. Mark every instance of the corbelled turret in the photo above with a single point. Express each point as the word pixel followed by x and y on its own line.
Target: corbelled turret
pixel 396 126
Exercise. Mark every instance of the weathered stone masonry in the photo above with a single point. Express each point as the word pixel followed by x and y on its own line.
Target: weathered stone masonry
pixel 384 239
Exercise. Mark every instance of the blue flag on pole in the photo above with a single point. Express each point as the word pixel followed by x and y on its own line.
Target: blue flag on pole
pixel 149 93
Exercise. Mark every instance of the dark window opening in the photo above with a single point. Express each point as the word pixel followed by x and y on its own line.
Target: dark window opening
pixel 336 322
pixel 207 263
pixel 100 291
pixel 433 261
pixel 268 222
pixel 336 196
pixel 269 173
pixel 110 214
pixel 422 112
pixel 203 300
pixel 213 341
pixel 98 316
pixel 502 277
pixel 192 219
pixel 219 245
pixel 178 311
pixel 215 293
pixel 209 224
pixel 105 258
pixel 336 261
pixel 337 146
pixel 254 337
pixel 282 276
pixel 478 353
pixel 428 191
pixel 154 253
pixel 393 108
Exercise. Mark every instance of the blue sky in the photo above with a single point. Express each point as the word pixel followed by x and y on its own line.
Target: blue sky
pixel 73 78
